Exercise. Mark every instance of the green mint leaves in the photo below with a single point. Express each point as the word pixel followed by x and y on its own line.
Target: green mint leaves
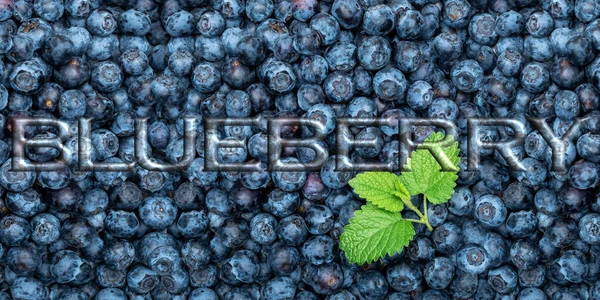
pixel 383 189
pixel 373 233
pixel 378 229
pixel 426 176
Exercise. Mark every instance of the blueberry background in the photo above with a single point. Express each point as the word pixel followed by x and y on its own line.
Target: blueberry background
pixel 194 234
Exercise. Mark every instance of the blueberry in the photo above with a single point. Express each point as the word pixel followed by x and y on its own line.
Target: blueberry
pixel 282 287
pixel 237 75
pixel 203 294
pixel 292 230
pixel 438 272
pixel 565 74
pixel 192 224
pixel 521 224
pixel 390 84
pixel 318 219
pixel 15 181
pixel 378 20
pixel 560 233
pixel 540 23
pixel 538 48
pixel 404 277
pixel 509 23
pixel 207 48
pixel 570 267
pixel 331 178
pixel 535 172
pixel 374 53
pixel 447 46
pixel 339 87
pixel 141 279
pixel 233 232
pixel 467 75
pixel 490 210
pixel 27 77
pixel 241 267
pixel 158 212
pixel 372 284
pixel 327 26
pixel 307 41
pixel 180 23
pixel 314 69
pixel 211 23
pixel 447 238
pixel 588 228
pixel 324 279
pixel 409 24
pixel 584 175
pixel 348 13
pixel 284 260
pixel 73 74
pixel 443 109
pixel 502 279
pixel 28 288
pixel 111 293
pixel 580 51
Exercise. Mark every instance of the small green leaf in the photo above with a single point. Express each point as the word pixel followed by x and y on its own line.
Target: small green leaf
pixel 383 189
pixel 426 176
pixel 373 233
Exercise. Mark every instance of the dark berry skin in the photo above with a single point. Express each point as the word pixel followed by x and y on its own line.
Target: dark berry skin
pixel 251 50
pixel 319 219
pixel 490 210
pixel 45 229
pixel 292 230
pixel 281 203
pixel 107 77
pixel 404 277
pixel 348 13
pixel 234 232
pixel 438 272
pixel 278 288
pixel 503 279
pixel 27 77
pixel 374 53
pixel 236 74
pixel 23 260
pixel 566 74
pixel 324 279
pixel 447 238
pixel 570 267
pixel 379 20
pixel 73 74
pixel 560 233
pixel 372 284
pixel 278 77
pixel 389 84
pixel 58 50
pixel 28 288
pixel 521 224
pixel 158 212
pixel 284 260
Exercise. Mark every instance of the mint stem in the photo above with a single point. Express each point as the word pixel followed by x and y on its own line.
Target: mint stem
pixel 426 213
pixel 423 219
pixel 415 221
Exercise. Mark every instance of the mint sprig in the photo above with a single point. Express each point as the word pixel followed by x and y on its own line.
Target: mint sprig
pixel 378 228
pixel 365 240
pixel 382 189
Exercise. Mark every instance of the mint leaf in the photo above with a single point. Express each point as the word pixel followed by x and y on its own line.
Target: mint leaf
pixel 426 176
pixel 373 233
pixel 383 189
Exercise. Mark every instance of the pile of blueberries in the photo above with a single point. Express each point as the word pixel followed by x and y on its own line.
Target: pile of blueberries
pixel 195 234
